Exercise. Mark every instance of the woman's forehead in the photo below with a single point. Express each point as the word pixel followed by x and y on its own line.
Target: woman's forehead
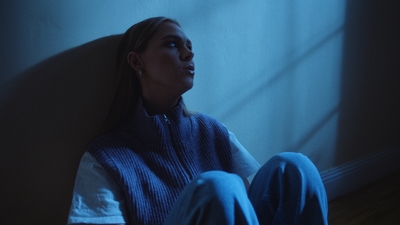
pixel 169 29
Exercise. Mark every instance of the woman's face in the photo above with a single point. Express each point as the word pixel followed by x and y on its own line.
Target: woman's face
pixel 168 66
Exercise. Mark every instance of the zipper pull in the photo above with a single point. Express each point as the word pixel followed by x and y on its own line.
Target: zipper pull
pixel 166 119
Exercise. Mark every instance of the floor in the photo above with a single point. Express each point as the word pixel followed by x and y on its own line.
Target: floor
pixel 378 203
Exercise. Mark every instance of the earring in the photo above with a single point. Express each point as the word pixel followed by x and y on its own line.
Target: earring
pixel 140 73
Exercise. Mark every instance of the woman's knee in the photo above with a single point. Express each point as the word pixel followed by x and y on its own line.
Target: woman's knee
pixel 214 185
pixel 213 197
pixel 293 158
pixel 291 161
pixel 296 166
pixel 216 181
pixel 288 181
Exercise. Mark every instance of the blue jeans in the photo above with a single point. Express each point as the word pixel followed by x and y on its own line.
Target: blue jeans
pixel 286 190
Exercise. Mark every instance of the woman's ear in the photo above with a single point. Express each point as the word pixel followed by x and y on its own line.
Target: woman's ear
pixel 134 60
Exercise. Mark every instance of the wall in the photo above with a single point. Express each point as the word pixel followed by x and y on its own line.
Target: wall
pixel 282 75
pixel 370 109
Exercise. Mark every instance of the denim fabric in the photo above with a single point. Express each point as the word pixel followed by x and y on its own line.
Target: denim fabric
pixel 213 198
pixel 286 190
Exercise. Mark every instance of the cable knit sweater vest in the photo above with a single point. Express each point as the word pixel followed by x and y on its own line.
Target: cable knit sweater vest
pixel 154 157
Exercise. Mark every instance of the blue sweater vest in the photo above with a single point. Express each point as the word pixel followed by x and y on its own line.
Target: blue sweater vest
pixel 154 157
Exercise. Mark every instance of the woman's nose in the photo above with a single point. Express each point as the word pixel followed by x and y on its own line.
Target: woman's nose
pixel 187 55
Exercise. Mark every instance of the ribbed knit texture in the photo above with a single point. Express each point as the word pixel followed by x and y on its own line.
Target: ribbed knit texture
pixel 153 161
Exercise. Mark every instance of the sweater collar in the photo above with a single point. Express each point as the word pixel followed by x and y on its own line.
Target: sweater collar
pixel 154 132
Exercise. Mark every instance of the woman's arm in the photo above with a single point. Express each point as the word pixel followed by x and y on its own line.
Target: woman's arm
pixel 97 199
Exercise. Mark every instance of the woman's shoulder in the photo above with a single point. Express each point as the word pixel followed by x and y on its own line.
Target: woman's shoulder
pixel 210 123
pixel 205 117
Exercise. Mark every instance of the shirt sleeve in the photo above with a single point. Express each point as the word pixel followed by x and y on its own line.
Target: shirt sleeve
pixel 244 164
pixel 97 199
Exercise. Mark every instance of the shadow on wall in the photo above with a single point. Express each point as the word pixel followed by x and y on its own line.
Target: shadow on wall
pixel 48 114
pixel 370 107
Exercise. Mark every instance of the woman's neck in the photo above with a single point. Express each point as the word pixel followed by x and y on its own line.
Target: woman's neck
pixel 159 105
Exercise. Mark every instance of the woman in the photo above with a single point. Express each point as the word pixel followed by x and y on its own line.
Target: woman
pixel 164 165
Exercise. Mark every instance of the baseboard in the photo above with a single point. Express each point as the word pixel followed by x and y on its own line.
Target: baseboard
pixel 351 176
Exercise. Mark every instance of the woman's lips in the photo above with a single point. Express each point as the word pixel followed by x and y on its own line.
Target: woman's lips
pixel 189 68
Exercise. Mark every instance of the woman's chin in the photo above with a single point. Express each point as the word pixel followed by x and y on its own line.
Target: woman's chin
pixel 187 86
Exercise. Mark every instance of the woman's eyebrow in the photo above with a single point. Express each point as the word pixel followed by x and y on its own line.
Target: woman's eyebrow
pixel 176 37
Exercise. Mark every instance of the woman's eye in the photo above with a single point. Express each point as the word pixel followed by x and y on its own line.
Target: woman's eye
pixel 172 44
